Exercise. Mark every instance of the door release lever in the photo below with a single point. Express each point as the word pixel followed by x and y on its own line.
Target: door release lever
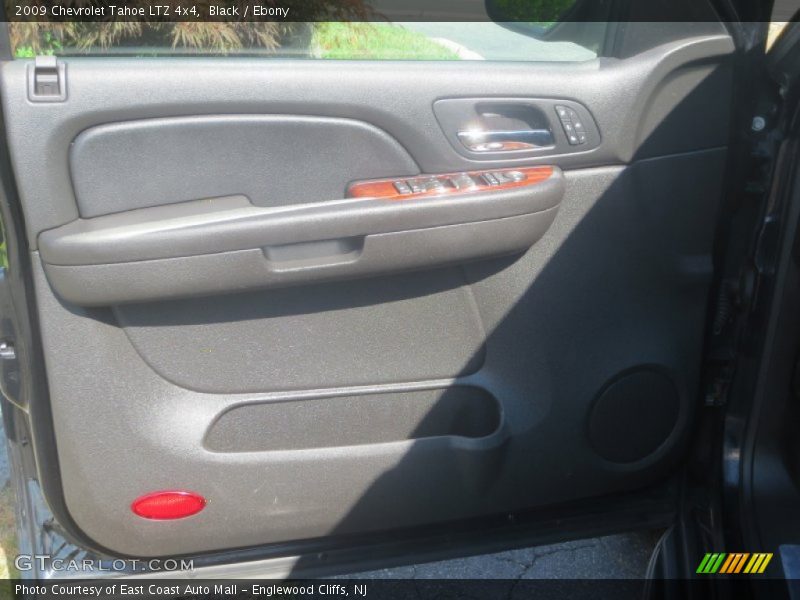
pixel 506 141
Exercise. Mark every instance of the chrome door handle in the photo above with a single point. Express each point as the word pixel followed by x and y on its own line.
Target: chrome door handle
pixel 506 141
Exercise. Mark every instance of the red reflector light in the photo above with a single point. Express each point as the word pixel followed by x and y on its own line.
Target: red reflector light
pixel 168 505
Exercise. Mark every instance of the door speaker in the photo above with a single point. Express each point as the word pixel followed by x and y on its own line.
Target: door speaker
pixel 633 415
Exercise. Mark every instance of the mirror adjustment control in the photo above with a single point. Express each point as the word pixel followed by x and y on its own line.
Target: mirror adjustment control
pixel 573 125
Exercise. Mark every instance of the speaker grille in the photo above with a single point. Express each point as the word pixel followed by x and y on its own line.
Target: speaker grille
pixel 633 415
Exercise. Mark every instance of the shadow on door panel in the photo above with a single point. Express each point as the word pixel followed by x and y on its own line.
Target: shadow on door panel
pixel 595 298
pixel 410 327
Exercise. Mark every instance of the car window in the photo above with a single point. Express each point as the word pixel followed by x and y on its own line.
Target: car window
pixel 372 36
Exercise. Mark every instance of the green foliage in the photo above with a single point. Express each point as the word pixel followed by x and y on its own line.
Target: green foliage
pixel 375 41
pixel 33 38
pixel 24 52
pixel 30 39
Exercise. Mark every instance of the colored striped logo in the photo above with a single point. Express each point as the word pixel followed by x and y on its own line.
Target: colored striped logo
pixel 736 562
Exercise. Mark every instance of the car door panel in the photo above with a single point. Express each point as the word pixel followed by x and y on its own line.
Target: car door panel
pixel 461 374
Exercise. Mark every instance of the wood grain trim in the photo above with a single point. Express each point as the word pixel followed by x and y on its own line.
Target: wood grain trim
pixel 384 189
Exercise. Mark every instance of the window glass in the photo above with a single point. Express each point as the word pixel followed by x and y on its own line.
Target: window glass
pixel 390 37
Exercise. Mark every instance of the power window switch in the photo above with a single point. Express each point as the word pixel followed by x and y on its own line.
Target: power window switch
pixel 462 181
pixel 416 186
pixel 500 177
pixel 509 176
pixel 402 187
pixel 433 185
pixel 490 179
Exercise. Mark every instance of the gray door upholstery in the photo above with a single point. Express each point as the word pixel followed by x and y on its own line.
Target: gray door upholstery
pixel 414 363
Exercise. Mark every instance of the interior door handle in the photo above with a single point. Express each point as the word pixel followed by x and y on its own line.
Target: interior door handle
pixel 506 141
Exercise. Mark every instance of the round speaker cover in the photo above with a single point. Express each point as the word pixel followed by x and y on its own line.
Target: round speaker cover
pixel 633 415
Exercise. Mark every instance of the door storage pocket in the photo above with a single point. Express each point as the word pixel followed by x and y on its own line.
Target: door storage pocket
pixel 459 411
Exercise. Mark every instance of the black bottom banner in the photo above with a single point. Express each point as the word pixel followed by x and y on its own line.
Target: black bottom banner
pixel 574 589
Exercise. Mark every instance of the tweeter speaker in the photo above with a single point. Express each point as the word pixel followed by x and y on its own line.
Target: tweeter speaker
pixel 634 414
